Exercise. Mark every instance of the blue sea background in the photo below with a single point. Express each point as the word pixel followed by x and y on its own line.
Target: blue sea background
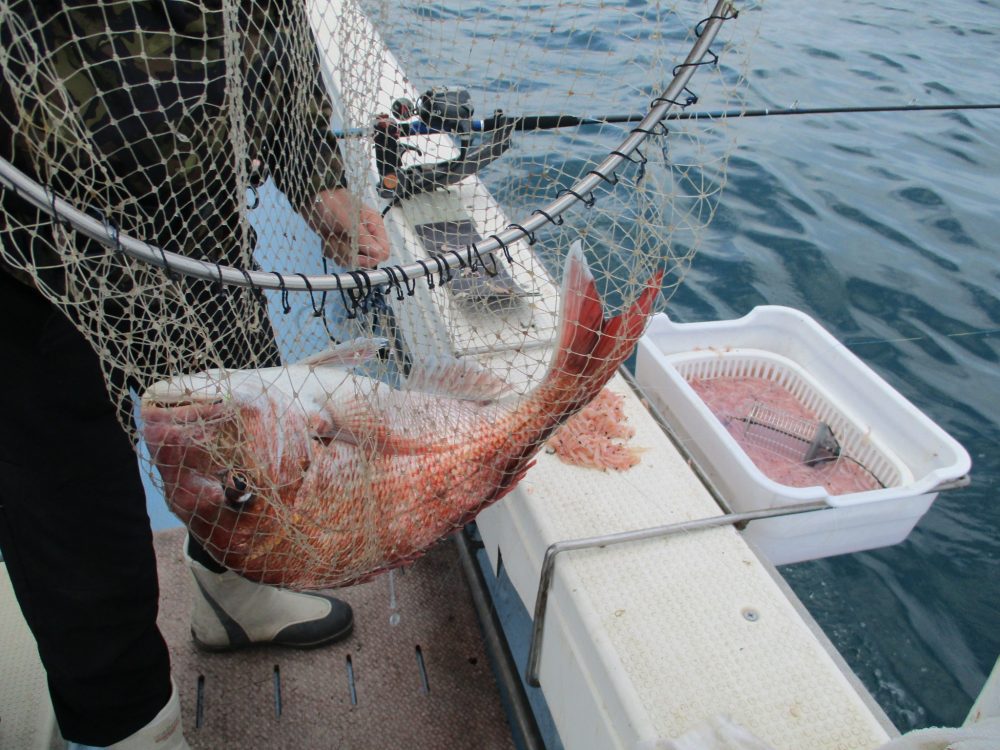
pixel 883 227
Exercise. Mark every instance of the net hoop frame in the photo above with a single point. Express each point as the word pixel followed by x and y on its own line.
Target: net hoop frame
pixel 102 231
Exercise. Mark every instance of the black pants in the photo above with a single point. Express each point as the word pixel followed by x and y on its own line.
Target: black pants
pixel 74 532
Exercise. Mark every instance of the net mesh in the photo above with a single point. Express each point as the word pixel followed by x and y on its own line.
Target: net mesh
pixel 270 134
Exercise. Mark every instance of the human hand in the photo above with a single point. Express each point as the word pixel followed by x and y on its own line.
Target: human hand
pixel 334 215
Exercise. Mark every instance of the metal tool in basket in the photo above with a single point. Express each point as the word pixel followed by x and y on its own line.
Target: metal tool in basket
pixel 807 441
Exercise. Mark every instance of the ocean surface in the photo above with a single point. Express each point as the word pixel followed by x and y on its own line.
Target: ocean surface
pixel 885 228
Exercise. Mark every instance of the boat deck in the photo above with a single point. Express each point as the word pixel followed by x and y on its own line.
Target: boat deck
pixel 413 674
pixel 648 640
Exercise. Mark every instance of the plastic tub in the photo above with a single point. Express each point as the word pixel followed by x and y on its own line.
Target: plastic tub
pixel 911 455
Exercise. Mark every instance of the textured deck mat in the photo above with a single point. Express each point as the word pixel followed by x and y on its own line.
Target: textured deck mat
pixel 421 678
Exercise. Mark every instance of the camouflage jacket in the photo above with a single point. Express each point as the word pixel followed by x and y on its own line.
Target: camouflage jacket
pixel 152 112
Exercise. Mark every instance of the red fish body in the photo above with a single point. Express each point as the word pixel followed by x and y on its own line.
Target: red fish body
pixel 309 476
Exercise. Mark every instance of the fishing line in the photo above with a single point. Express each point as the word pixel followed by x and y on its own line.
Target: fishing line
pixel 983 332
pixel 530 123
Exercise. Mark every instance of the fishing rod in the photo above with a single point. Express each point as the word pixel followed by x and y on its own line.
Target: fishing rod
pixel 450 110
pixel 529 123
pixel 545 122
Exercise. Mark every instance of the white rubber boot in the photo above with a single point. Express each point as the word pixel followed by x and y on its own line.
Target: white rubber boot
pixel 231 612
pixel 164 732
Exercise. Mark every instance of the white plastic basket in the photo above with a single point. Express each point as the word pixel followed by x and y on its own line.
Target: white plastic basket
pixel 875 425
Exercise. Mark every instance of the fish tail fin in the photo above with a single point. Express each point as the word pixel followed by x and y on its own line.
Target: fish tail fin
pixel 589 351
pixel 590 346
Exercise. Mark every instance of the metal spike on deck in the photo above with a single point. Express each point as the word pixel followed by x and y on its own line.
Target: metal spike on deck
pixel 413 674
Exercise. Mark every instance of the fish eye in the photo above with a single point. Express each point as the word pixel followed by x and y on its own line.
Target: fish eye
pixel 235 489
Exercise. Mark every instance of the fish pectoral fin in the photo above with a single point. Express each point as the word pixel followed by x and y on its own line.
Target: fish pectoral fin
pixel 359 425
pixel 455 378
pixel 349 354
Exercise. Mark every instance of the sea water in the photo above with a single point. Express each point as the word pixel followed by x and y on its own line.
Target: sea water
pixel 885 228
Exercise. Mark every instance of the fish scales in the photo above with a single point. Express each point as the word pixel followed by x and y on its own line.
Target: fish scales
pixel 310 476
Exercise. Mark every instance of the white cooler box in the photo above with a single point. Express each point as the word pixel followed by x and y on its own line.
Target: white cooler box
pixel 911 455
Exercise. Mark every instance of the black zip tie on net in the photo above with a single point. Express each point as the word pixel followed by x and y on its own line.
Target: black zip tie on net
pixel 473 259
pixel 372 300
pixel 351 315
pixel 530 235
pixel 376 299
pixel 710 59
pixel 322 296
pixel 641 161
pixel 427 274
pixel 112 231
pixel 664 132
pixel 612 180
pixel 442 269
pixel 489 272
pixel 461 262
pixel 589 201
pixel 285 307
pixel 60 219
pixel 360 295
pixel 394 283
pixel 699 28
pixel 691 98
pixel 503 246
pixel 558 220
pixel 317 311
pixel 410 284
pixel 171 273
pixel 220 286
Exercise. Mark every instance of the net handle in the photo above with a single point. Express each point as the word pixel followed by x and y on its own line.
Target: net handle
pixel 41 197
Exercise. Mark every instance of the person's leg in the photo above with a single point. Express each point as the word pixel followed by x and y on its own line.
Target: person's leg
pixel 73 527
pixel 229 612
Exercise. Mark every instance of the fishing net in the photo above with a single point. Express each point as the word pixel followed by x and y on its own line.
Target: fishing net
pixel 198 186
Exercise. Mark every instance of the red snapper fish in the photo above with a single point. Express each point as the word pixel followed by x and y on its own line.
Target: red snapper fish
pixel 315 476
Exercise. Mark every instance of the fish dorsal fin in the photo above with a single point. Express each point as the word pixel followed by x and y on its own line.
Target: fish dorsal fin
pixel 349 354
pixel 455 378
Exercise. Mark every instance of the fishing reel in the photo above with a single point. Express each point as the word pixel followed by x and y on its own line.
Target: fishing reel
pixel 438 110
pixel 448 110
